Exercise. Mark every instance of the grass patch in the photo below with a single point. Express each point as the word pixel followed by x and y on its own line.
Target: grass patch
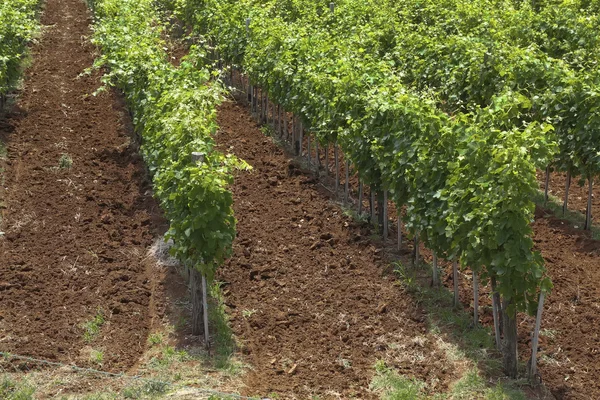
pixel 393 386
pixel 92 327
pixel 467 342
pixel 224 342
pixel 97 357
pixel 65 161
pixel 150 389
pixel 15 390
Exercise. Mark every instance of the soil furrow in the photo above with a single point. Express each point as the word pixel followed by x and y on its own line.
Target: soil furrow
pixel 306 290
pixel 78 210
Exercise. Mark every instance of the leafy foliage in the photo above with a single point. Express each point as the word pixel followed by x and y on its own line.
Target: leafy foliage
pixel 417 111
pixel 18 25
pixel 174 109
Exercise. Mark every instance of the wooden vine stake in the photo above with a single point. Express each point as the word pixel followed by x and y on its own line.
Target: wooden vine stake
pixel 536 336
pixel 436 279
pixel 317 156
pixel 261 108
pixel 372 205
pixel 249 92
pixel 385 215
pixel 301 136
pixel 496 314
pixel 205 312
pixel 327 159
pixel 475 299
pixel 285 126
pixel 297 143
pixel 455 282
pixel 279 120
pixel 266 108
pixel 308 149
pixel 546 185
pixel 337 169
pixel 347 183
pixel 588 213
pixel 197 301
pixel 360 198
pixel 399 232
pixel 416 252
pixel 567 186
pixel 199 285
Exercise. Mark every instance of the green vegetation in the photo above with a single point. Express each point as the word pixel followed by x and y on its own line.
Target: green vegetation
pixel 65 161
pixel 174 110
pixel 15 390
pixel 92 327
pixel 18 25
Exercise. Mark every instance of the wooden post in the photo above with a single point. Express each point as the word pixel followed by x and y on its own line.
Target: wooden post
pixel 254 102
pixel 455 282
pixel 279 124
pixel 372 205
pixel 249 93
pixel 416 252
pixel 297 143
pixel 327 159
pixel 347 183
pixel 301 134
pixel 205 312
pixel 536 337
pixel 196 297
pixel 385 215
pixel 496 314
pixel 567 185
pixel 262 109
pixel 588 214
pixel 285 126
pixel 399 231
pixel 337 168
pixel 475 299
pixel 546 185
pixel 317 153
pixel 436 279
pixel 360 197
pixel 308 148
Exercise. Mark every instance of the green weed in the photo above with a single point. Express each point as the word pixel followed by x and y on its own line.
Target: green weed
pixel 65 161
pixel 15 390
pixel 92 328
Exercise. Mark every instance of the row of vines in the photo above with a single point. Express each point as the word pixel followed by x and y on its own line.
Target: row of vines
pixel 450 107
pixel 18 25
pixel 174 112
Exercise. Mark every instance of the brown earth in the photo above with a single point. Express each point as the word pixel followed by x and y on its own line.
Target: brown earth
pixel 305 288
pixel 75 238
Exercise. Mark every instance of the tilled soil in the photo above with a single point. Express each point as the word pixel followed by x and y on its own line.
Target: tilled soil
pixel 75 237
pixel 305 288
